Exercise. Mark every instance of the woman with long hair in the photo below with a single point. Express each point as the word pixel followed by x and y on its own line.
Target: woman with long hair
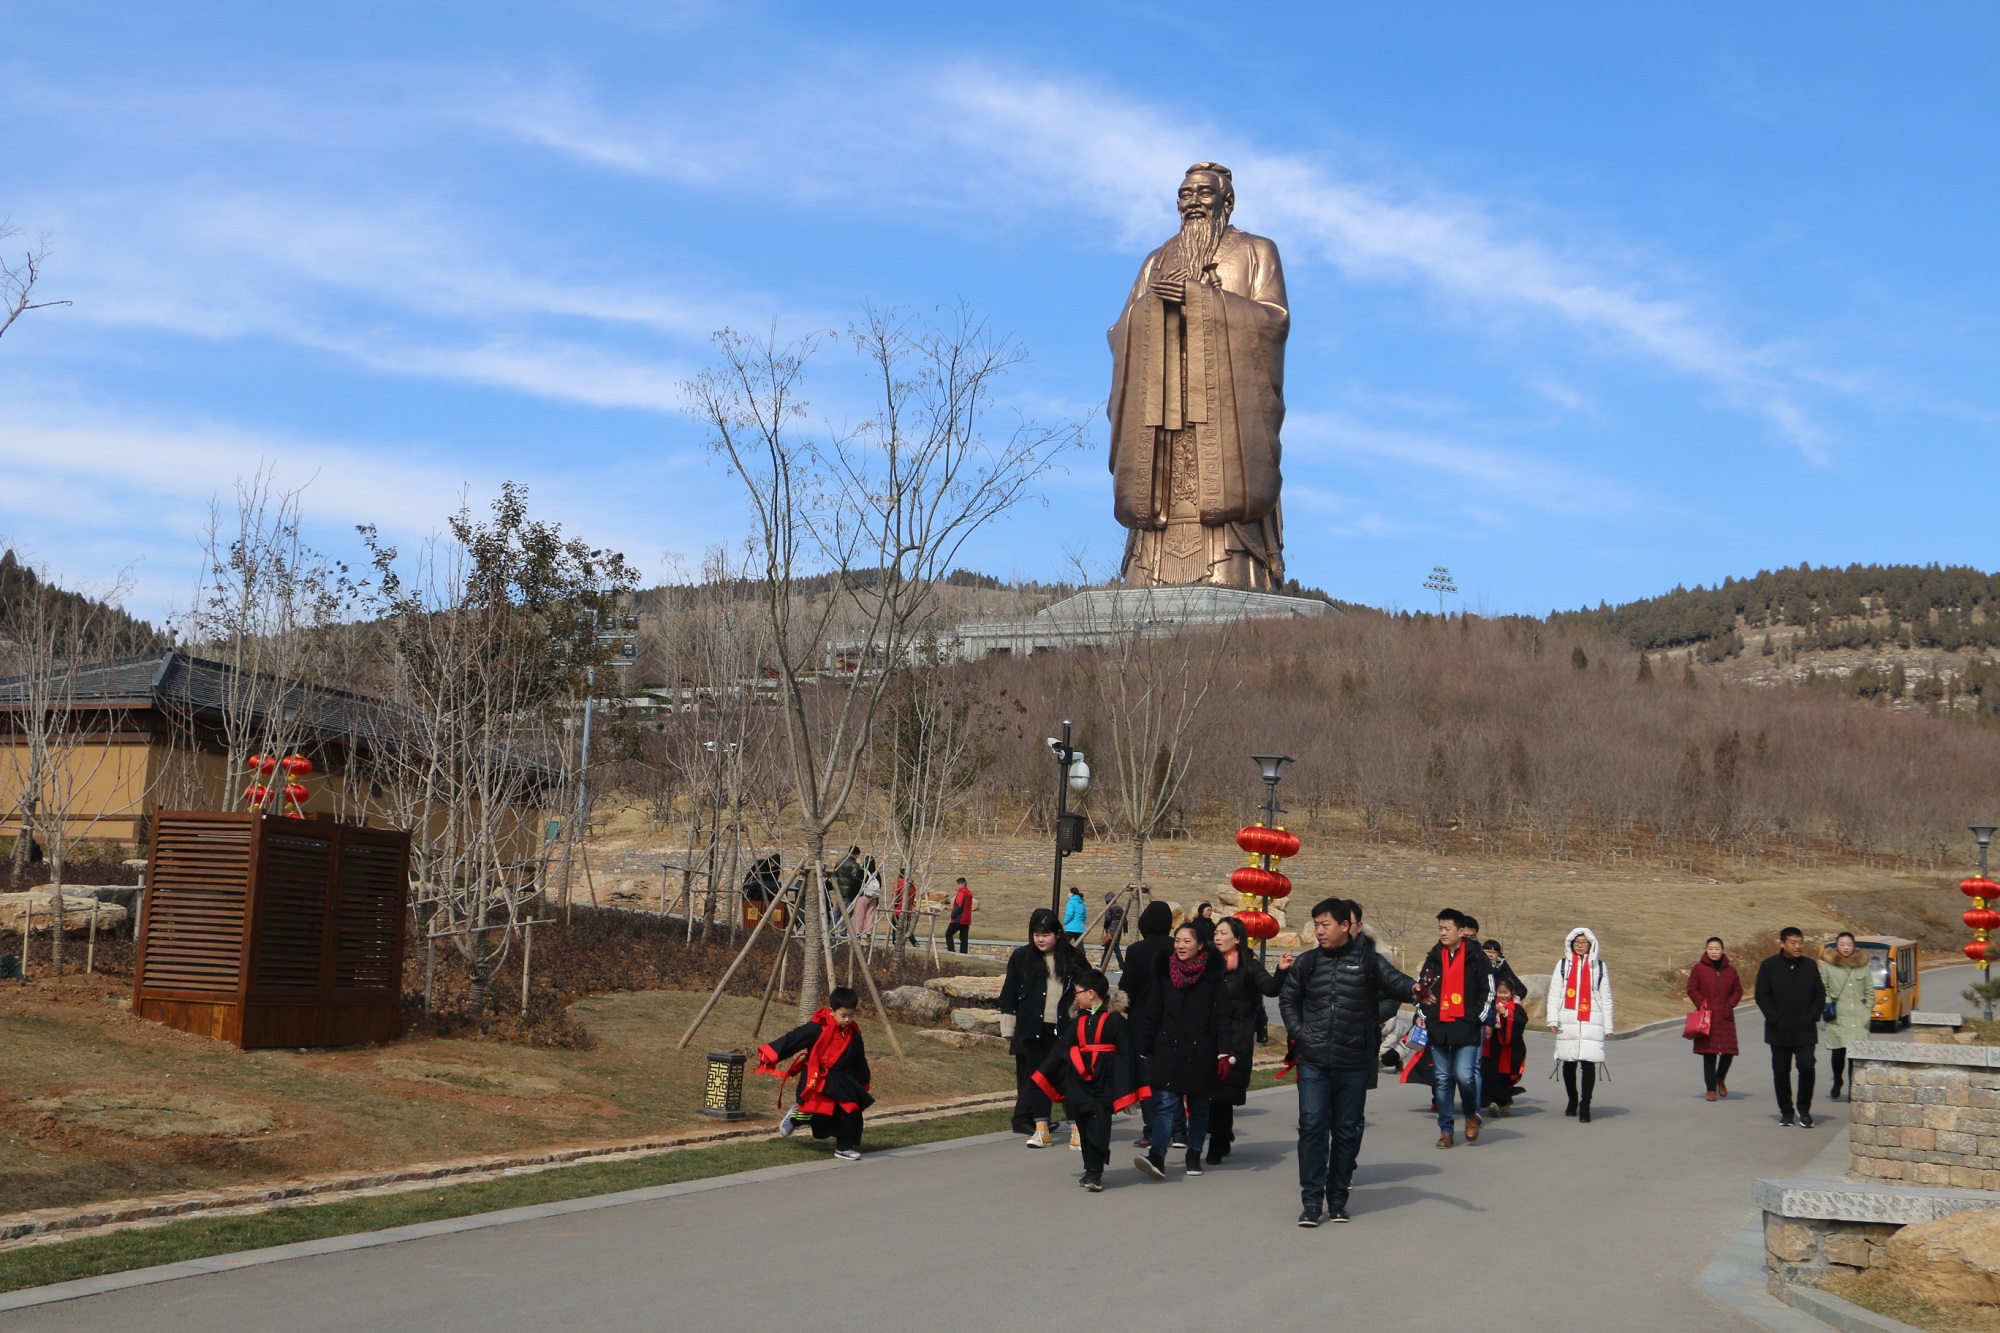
pixel 1850 994
pixel 1714 987
pixel 1034 1001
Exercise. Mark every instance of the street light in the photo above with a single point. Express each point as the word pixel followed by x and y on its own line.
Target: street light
pixel 1072 775
pixel 1271 767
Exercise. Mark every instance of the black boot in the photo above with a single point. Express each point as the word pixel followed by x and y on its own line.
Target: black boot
pixel 1571 1108
pixel 1583 1113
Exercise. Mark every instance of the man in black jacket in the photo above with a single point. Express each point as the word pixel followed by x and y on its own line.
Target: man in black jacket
pixel 1458 979
pixel 1791 995
pixel 1329 1001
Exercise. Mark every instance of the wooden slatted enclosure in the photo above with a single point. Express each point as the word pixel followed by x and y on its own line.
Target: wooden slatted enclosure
pixel 264 931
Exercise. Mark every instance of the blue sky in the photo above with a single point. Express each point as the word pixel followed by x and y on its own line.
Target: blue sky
pixel 1587 300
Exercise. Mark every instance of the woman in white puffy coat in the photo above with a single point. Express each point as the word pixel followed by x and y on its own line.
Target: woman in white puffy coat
pixel 1579 1013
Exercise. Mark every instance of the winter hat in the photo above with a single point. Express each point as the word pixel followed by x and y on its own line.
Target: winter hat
pixel 1157 919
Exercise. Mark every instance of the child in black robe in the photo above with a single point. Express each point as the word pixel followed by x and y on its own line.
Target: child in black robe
pixel 1505 1052
pixel 1094 1071
pixel 833 1069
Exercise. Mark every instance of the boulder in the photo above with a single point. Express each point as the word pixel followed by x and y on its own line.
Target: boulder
pixel 1955 1258
pixel 961 1041
pixel 915 1004
pixel 77 909
pixel 967 990
pixel 986 1022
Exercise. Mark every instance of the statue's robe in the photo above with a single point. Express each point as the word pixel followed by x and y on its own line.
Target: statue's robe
pixel 1197 397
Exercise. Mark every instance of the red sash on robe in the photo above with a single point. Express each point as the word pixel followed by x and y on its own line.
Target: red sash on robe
pixel 1502 1038
pixel 1577 995
pixel 1451 987
pixel 817 1061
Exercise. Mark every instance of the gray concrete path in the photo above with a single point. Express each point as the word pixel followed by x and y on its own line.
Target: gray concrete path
pixel 1544 1220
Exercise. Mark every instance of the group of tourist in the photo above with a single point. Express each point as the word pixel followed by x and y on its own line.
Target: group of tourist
pixel 1179 1047
pixel 1796 995
pixel 857 881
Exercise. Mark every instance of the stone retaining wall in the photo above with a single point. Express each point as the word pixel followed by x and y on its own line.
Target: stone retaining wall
pixel 1925 1115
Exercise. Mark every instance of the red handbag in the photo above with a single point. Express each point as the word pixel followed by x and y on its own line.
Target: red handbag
pixel 1697 1023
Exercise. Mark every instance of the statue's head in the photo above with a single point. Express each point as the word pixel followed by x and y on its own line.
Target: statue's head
pixel 1207 191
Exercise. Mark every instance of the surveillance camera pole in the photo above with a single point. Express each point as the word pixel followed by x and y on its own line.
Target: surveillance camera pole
pixel 1064 753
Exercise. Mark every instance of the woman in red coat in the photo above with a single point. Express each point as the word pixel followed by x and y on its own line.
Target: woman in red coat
pixel 1713 985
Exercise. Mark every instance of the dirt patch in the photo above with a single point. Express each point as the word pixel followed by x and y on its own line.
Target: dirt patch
pixel 472 1078
pixel 154 1115
pixel 1878 1291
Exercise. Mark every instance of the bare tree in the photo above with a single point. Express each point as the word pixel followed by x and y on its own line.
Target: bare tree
pixel 494 632
pixel 64 751
pixel 883 508
pixel 270 608
pixel 1148 690
pixel 17 280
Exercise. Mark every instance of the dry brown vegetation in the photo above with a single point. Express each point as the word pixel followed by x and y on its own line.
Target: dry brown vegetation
pixel 1506 737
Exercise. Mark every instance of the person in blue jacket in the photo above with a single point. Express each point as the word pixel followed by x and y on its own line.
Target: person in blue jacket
pixel 1075 915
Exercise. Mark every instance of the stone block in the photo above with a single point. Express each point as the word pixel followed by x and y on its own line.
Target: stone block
pixel 1852 1250
pixel 967 990
pixel 915 1004
pixel 985 1022
pixel 1930 1173
pixel 963 1041
pixel 1917 1139
pixel 1787 1242
pixel 1967 1178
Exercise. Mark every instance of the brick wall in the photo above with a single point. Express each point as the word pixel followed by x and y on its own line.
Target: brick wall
pixel 1925 1115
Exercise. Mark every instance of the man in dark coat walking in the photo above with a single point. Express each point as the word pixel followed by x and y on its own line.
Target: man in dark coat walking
pixel 1330 1001
pixel 1156 928
pixel 1791 995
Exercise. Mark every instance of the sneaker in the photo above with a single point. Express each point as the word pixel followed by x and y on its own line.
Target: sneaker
pixel 1094 1182
pixel 1143 1141
pixel 1786 1122
pixel 789 1125
pixel 847 1154
pixel 1156 1168
pixel 1075 1137
pixel 1194 1163
pixel 1309 1218
pixel 1180 1143
pixel 1041 1138
pixel 1338 1213
pixel 1805 1120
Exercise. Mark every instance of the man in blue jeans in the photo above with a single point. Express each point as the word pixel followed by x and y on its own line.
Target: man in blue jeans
pixel 1457 981
pixel 1328 1001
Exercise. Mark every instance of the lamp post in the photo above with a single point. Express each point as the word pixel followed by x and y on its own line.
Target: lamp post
pixel 1982 918
pixel 1271 767
pixel 1072 775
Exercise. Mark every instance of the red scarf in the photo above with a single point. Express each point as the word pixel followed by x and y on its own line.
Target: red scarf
pixel 817 1062
pixel 1502 1038
pixel 1186 974
pixel 1577 995
pixel 1451 988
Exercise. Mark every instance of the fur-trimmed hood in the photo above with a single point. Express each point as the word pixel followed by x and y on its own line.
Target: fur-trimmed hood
pixel 1859 958
pixel 1569 942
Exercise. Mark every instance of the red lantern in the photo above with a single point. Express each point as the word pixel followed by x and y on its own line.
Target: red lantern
pixel 1259 840
pixel 256 794
pixel 1258 925
pixel 297 765
pixel 1979 887
pixel 1982 918
pixel 297 792
pixel 261 763
pixel 1260 883
pixel 1976 951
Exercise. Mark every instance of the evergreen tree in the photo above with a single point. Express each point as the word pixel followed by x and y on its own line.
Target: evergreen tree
pixel 1645 669
pixel 1579 659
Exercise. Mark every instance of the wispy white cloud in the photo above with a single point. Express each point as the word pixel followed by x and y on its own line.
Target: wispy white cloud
pixel 975 139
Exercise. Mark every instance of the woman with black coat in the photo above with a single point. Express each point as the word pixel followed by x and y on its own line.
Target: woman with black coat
pixel 1034 1002
pixel 1247 983
pixel 1142 960
pixel 1186 1025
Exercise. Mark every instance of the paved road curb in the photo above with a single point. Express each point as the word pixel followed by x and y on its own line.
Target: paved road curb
pixel 1832 1311
pixel 224 1263
pixel 53 1225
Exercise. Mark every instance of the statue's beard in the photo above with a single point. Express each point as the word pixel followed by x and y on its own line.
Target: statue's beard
pixel 1200 238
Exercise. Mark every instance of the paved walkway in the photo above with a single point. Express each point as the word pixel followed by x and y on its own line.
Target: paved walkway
pixel 1544 1221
